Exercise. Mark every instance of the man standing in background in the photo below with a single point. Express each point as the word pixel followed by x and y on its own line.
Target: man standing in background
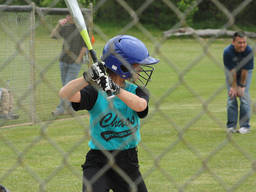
pixel 71 57
pixel 238 60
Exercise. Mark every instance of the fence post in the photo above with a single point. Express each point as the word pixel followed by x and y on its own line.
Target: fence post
pixel 32 63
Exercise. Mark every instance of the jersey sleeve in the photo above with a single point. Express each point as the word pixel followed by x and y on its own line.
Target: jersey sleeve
pixel 250 57
pixel 88 98
pixel 228 60
pixel 143 93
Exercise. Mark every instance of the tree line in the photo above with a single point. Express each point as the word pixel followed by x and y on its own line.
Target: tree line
pixel 160 13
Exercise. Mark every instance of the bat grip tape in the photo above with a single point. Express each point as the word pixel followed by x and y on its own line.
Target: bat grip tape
pixel 93 55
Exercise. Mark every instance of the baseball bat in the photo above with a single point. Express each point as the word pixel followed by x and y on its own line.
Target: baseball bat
pixel 78 18
pixel 81 26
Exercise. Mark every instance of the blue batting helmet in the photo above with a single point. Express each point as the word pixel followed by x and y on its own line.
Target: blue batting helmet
pixel 122 51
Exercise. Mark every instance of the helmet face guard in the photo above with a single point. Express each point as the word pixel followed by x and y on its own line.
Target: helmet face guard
pixel 144 75
pixel 121 52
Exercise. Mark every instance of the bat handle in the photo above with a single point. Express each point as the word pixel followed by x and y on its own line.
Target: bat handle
pixel 95 60
pixel 93 55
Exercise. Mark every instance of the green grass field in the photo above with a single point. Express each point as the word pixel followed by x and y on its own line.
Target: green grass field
pixel 184 143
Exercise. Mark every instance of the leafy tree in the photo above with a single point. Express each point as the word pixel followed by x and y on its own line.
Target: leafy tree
pixel 211 15
pixel 187 6
pixel 158 14
pixel 45 3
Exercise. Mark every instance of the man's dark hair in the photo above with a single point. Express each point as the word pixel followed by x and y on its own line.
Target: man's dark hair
pixel 240 34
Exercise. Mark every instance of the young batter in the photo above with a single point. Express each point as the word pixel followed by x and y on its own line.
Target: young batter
pixel 112 162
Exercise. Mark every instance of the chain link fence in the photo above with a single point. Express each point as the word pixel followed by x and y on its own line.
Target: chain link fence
pixel 184 143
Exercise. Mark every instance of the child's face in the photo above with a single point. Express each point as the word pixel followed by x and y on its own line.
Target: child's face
pixel 137 69
pixel 142 74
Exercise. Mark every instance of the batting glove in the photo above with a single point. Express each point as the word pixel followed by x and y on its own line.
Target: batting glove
pixel 95 72
pixel 108 85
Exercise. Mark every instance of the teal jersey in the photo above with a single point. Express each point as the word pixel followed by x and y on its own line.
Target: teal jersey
pixel 113 125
